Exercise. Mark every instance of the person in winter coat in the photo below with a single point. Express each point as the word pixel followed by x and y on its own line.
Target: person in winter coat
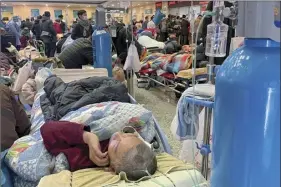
pixel 83 28
pixel 57 26
pixel 14 121
pixel 62 24
pixel 27 24
pixel 144 25
pixel 13 26
pixel 48 35
pixel 163 30
pixel 25 37
pixel 36 29
pixel 79 53
pixel 121 44
pixel 185 25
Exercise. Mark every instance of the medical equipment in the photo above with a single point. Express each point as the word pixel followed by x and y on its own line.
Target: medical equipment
pixel 216 40
pixel 102 43
pixel 246 151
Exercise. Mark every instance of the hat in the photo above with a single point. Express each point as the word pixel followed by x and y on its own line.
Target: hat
pixel 47 14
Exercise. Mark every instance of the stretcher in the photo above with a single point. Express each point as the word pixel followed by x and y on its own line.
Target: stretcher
pixel 176 82
pixel 173 176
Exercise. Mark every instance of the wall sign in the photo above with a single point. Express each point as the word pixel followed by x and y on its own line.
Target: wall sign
pixel 57 13
pixel 75 14
pixel 35 13
pixel 6 9
pixel 148 11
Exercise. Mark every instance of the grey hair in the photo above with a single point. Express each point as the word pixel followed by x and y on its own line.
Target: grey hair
pixel 138 162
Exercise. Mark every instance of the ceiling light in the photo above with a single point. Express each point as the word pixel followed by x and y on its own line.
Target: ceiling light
pixel 112 5
pixel 46 4
pixel 23 4
pixel 138 4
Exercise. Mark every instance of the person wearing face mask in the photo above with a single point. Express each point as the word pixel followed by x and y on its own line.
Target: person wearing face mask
pixel 125 152
pixel 83 28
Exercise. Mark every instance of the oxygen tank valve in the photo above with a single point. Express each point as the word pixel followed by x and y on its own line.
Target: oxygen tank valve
pixel 204 149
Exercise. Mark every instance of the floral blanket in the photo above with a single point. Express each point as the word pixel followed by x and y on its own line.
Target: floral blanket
pixel 172 63
pixel 29 159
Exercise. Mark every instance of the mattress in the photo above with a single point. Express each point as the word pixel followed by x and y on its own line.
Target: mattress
pixel 171 172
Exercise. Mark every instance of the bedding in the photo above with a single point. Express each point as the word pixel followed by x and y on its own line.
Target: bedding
pixel 172 63
pixel 28 157
pixel 61 97
pixel 169 169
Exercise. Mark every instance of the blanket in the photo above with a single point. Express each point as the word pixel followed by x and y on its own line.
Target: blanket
pixel 185 124
pixel 61 98
pixel 97 177
pixel 172 63
pixel 29 159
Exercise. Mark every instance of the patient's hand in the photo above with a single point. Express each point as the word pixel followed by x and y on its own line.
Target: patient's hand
pixel 96 156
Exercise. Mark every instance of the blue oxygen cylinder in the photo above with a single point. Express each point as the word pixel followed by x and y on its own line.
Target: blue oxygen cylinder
pixel 246 132
pixel 158 17
pixel 102 52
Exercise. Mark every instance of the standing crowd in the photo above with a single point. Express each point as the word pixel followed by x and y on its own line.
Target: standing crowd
pixel 44 29
pixel 172 25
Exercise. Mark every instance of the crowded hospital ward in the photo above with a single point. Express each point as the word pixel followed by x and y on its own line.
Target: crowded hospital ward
pixel 147 94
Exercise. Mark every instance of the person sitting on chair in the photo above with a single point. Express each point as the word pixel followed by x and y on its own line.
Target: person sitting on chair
pixel 124 152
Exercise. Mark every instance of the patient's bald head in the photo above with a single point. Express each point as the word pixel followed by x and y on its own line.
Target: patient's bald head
pixel 131 155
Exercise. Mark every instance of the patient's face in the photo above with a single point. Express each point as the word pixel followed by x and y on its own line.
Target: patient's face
pixel 119 144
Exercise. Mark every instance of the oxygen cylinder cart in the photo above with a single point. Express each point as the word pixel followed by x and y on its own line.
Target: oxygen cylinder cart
pixel 101 42
pixel 246 133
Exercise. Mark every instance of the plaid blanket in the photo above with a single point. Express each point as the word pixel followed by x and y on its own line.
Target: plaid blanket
pixel 172 63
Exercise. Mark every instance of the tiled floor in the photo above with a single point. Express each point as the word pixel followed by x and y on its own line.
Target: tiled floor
pixel 163 106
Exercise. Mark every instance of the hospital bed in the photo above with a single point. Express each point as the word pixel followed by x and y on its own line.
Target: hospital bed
pixel 183 175
pixel 187 177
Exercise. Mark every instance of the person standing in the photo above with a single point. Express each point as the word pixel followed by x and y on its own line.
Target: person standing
pixel 185 25
pixel 27 24
pixel 144 25
pixel 13 27
pixel 83 28
pixel 48 35
pixel 36 29
pixel 163 30
pixel 62 24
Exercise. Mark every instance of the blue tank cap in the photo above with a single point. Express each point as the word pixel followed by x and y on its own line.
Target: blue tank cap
pixel 261 42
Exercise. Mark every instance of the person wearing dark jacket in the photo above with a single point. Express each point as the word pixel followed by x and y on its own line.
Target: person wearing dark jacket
pixel 62 24
pixel 48 35
pixel 184 30
pixel 36 29
pixel 79 53
pixel 83 28
pixel 14 121
pixel 122 36
pixel 27 24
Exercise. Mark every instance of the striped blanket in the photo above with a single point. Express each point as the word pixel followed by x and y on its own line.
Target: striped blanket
pixel 172 63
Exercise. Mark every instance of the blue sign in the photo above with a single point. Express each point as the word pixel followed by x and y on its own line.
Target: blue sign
pixel 57 13
pixel 75 14
pixel 7 9
pixel 35 13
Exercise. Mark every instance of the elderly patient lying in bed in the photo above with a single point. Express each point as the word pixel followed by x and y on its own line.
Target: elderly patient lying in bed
pixel 122 152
